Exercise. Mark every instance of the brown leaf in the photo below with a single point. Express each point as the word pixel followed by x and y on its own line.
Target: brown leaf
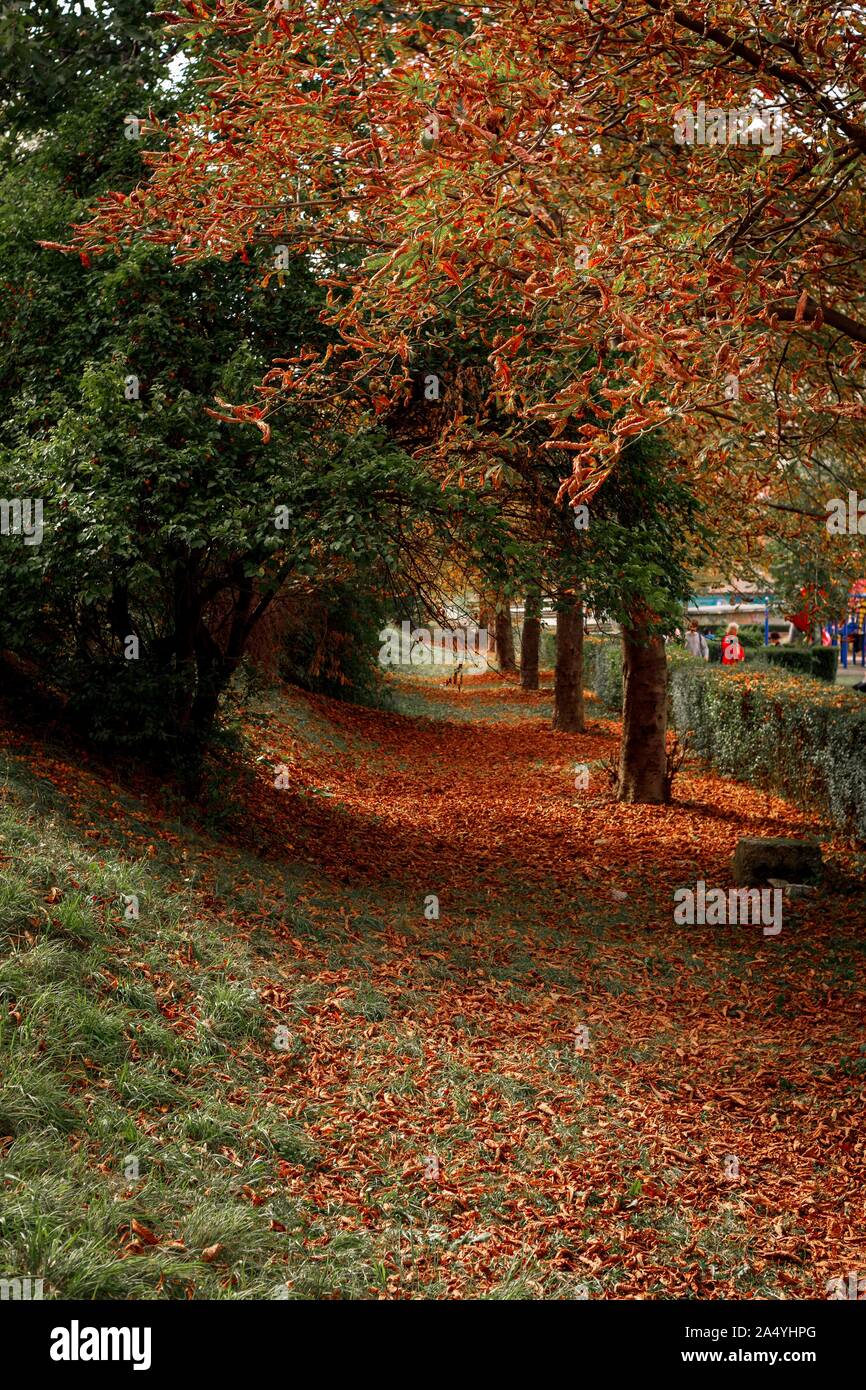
pixel 144 1233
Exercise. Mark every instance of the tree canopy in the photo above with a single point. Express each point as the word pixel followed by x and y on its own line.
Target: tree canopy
pixel 547 179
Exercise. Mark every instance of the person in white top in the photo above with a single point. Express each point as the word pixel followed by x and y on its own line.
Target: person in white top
pixel 696 642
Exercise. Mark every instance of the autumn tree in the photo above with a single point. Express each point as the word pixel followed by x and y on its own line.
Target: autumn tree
pixel 817 552
pixel 633 264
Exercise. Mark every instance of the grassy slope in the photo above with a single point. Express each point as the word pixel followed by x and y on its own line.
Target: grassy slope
pixel 265 1172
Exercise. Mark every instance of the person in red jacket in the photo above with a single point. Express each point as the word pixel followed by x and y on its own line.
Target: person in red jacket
pixel 732 647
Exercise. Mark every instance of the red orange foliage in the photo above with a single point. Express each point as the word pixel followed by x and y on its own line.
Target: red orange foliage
pixel 515 181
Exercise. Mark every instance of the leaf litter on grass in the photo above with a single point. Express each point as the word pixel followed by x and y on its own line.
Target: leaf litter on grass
pixel 543 1089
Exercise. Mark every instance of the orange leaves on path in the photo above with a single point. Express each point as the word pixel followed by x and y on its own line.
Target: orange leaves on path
pixel 455 1038
pixel 549 1085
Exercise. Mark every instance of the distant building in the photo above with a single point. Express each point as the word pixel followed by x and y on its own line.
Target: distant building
pixel 735 600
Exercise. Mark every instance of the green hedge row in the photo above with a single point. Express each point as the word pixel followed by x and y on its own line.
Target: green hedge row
pixel 547 649
pixel 790 734
pixel 603 666
pixel 820 662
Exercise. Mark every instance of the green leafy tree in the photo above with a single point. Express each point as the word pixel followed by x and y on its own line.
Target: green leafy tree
pixel 168 534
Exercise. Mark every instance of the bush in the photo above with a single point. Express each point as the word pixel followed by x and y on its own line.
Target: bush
pixel 820 662
pixel 825 663
pixel 603 666
pixel 797 659
pixel 331 643
pixel 785 733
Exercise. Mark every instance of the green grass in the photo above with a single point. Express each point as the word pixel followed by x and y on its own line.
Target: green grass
pixel 98 1084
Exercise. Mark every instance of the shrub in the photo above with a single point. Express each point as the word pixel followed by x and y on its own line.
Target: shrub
pixel 820 662
pixel 603 667
pixel 825 662
pixel 788 734
pixel 797 659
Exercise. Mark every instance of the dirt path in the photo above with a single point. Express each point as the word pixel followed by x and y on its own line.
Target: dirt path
pixel 478 796
pixel 606 1099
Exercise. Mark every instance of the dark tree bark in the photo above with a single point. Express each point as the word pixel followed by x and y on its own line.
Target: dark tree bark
pixel 530 641
pixel 505 640
pixel 187 620
pixel 568 711
pixel 119 619
pixel 215 666
pixel 643 758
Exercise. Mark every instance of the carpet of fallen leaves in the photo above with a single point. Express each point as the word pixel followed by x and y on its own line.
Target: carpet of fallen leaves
pixel 537 1077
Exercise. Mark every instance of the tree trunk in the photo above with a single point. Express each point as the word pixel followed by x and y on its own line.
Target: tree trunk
pixel 187 618
pixel 530 641
pixel 643 758
pixel 216 667
pixel 568 713
pixel 505 640
pixel 485 624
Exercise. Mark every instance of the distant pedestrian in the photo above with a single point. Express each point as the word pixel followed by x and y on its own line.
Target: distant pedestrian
pixel 696 642
pixel 775 639
pixel 732 648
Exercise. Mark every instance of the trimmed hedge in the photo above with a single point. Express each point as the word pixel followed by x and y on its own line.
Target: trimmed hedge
pixel 820 662
pixel 825 663
pixel 603 666
pixel 790 734
pixel 796 659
